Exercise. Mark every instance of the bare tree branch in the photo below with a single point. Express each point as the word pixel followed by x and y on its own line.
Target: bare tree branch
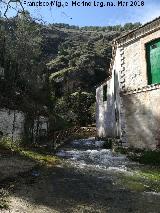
pixel 9 6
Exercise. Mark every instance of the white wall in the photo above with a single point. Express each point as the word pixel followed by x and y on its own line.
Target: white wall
pixel 12 124
pixel 105 115
pixel 7 125
pixel 105 111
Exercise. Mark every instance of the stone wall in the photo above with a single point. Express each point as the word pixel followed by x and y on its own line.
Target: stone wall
pixel 11 123
pixel 139 118
pixel 142 119
pixel 133 75
pixel 135 63
pixel 137 103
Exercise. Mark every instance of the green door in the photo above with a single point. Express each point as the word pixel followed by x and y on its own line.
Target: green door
pixel 153 61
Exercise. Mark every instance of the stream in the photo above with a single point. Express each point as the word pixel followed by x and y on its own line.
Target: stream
pixel 110 178
pixel 87 179
pixel 89 154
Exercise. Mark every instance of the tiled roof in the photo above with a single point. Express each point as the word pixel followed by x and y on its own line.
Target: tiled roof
pixel 140 31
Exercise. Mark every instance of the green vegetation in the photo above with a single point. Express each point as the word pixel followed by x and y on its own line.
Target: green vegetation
pixel 61 73
pixel 3 199
pixel 145 157
pixel 150 174
pixel 76 108
pixel 142 156
pixel 53 69
pixel 108 144
pixel 133 184
pixel 42 159
pixel 82 62
pixel 146 176
pixel 127 26
pixel 141 179
pixel 149 157
pixel 17 147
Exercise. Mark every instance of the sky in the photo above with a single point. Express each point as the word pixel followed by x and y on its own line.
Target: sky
pixel 92 15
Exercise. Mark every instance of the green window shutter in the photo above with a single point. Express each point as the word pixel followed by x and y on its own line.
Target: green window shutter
pixel 153 61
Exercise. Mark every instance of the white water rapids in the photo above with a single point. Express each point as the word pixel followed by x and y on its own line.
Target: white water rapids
pixel 114 175
pixel 90 154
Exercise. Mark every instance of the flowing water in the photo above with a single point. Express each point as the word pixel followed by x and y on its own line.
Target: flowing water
pixel 90 179
pixel 90 154
pixel 108 179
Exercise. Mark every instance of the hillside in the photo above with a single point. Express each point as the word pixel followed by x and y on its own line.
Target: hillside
pixel 82 54
pixel 53 69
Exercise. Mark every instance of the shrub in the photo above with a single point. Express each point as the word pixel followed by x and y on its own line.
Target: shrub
pixel 108 144
pixel 150 157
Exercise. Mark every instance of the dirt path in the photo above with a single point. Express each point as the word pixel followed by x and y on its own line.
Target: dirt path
pixel 77 187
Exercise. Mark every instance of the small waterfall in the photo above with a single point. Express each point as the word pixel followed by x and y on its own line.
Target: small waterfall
pixel 90 154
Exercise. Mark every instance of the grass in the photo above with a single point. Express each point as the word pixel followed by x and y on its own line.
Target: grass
pixel 150 174
pixel 141 180
pixel 41 158
pixel 148 157
pixel 146 177
pixel 3 199
pixel 133 185
pixel 10 148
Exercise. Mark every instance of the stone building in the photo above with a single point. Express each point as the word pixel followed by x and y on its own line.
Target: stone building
pixel 128 103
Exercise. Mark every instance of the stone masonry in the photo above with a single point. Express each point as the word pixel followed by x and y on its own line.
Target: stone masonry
pixel 137 102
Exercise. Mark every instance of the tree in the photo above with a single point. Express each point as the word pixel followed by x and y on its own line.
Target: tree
pixel 22 51
pixel 18 7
